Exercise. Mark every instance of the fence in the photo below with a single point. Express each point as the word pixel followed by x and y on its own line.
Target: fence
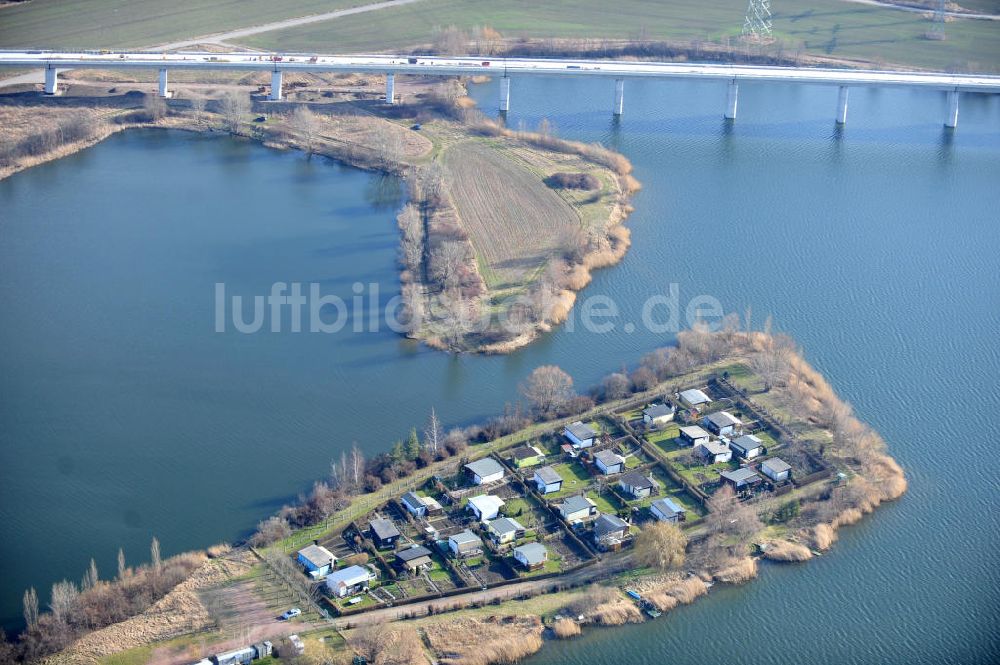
pixel 407 610
pixel 359 507
pixel 294 586
pixel 823 468
pixel 365 503
pixel 661 462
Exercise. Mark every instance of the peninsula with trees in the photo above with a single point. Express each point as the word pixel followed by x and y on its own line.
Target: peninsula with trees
pixel 501 228
pixel 476 545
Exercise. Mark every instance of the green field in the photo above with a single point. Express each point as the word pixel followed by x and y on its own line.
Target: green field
pixel 664 436
pixel 606 503
pixel 135 23
pixel 575 480
pixel 136 656
pixel 818 27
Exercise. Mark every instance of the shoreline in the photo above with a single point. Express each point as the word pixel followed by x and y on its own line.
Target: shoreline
pixel 545 297
pixel 449 122
pixel 804 404
pixel 874 475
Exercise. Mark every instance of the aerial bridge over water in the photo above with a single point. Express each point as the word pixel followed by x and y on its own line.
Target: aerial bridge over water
pixel 506 69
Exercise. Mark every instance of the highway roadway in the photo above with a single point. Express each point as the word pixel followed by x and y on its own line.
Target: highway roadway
pixel 436 65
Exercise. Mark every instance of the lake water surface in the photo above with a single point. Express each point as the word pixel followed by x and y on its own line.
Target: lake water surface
pixel 123 415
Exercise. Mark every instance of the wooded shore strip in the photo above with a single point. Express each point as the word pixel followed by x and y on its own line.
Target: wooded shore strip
pixel 840 472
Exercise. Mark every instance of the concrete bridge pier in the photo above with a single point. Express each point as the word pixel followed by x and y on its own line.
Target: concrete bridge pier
pixel 842 105
pixel 390 88
pixel 732 96
pixel 51 81
pixel 619 97
pixel 275 94
pixel 163 91
pixel 951 120
pixel 505 94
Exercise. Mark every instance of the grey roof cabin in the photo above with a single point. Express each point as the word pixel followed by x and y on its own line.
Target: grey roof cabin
pixel 485 470
pixel 414 557
pixel 384 532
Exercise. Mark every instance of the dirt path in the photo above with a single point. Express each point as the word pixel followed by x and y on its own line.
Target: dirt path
pixel 243 617
pixel 192 653
pixel 221 38
pixel 924 10
pixel 601 570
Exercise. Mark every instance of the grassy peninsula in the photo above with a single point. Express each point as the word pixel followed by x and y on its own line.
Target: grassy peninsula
pixel 839 471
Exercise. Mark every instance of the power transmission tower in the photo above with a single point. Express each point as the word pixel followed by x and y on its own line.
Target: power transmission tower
pixel 937 26
pixel 758 21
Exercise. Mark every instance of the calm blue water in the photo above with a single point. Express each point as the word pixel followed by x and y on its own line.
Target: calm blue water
pixel 123 415
pixel 878 249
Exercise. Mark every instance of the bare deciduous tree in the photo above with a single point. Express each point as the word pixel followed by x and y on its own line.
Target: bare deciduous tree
pixel 30 602
pixel 729 329
pixel 304 122
pixel 643 378
pixel 289 572
pixel 74 612
pixel 198 109
pixel 835 414
pixel 338 473
pixel 657 362
pixel 856 441
pixel 732 518
pixel 450 41
pixel 154 554
pixel 488 40
pixel 458 316
pixel 616 386
pixel 367 642
pixel 701 343
pixel 322 500
pixel 429 183
pixel 65 597
pixel 386 142
pixel 122 569
pixel 433 433
pixel 660 546
pixel 90 577
pixel 234 107
pixel 8 652
pixel 155 107
pixel 456 442
pixel 680 361
pixel 412 315
pixel 574 242
pixel 772 360
pixel 269 530
pixel 448 262
pixel 357 466
pixel 548 388
pixel 412 229
pixel 517 318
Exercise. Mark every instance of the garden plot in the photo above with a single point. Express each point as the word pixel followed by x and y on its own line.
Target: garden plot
pixel 514 220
